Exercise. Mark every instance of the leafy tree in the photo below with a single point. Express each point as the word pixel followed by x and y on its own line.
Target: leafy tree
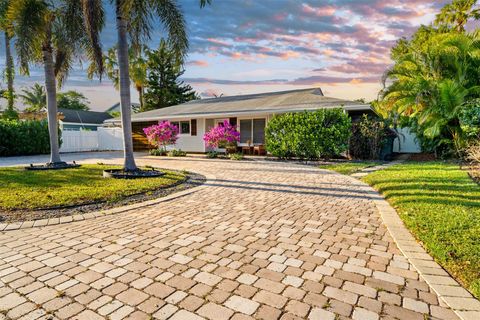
pixel 54 33
pixel 35 98
pixel 9 73
pixel 72 100
pixel 135 17
pixel 456 14
pixel 164 88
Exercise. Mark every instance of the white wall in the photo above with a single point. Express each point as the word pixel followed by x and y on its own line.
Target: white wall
pixel 189 143
pixel 76 141
pixel 406 143
pixel 110 139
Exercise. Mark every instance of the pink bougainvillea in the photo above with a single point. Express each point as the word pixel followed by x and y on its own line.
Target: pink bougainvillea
pixel 162 134
pixel 222 136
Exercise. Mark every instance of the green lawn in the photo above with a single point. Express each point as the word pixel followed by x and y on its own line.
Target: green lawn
pixel 440 205
pixel 20 189
pixel 348 167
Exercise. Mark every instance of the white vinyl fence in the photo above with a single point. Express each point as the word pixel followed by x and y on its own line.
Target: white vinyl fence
pixel 406 142
pixel 104 139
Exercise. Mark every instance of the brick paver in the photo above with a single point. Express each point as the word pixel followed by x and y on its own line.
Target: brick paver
pixel 262 240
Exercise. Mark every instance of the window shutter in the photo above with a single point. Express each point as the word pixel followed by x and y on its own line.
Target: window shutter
pixel 193 127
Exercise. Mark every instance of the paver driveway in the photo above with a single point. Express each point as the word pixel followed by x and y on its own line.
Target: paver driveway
pixel 263 240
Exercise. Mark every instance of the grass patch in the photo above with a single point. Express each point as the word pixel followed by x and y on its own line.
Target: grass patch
pixel 28 190
pixel 348 167
pixel 440 205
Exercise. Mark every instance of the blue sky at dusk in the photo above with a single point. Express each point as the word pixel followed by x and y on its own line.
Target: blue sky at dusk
pixel 247 46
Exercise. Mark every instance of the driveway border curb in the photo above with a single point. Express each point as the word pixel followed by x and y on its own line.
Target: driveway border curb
pixel 5 227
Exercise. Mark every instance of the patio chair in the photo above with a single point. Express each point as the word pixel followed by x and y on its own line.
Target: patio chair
pixel 259 150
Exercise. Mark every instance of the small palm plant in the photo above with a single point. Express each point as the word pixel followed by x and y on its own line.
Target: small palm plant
pixel 34 97
pixel 54 33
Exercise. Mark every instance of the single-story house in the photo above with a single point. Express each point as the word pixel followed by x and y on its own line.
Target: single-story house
pixel 250 113
pixel 76 120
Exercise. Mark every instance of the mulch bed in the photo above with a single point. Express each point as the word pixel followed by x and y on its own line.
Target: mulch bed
pixel 192 180
pixel 422 157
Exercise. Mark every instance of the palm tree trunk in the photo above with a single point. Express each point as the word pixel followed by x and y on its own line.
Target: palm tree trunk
pixel 9 71
pixel 140 97
pixel 125 102
pixel 51 89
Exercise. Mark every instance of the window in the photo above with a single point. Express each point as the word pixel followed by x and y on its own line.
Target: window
pixel 246 131
pixel 252 131
pixel 259 131
pixel 183 126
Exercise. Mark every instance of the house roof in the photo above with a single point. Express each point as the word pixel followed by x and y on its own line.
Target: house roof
pixel 80 116
pixel 116 107
pixel 259 103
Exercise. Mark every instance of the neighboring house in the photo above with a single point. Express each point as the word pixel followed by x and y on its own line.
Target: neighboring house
pixel 116 107
pixel 250 113
pixel 76 120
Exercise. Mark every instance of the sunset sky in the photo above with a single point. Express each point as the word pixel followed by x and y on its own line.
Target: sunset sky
pixel 247 46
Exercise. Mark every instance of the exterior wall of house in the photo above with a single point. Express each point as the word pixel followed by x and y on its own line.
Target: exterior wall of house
pixel 406 142
pixel 187 141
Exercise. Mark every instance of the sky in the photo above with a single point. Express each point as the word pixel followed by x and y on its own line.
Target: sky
pixel 250 46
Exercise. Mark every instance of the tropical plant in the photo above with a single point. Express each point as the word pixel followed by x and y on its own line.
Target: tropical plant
pixel 137 69
pixel 72 100
pixel 369 136
pixel 54 33
pixel 176 153
pixel 35 98
pixel 162 135
pixel 164 88
pixel 222 136
pixel 456 14
pixel 9 73
pixel 309 135
pixel 433 83
pixel 135 17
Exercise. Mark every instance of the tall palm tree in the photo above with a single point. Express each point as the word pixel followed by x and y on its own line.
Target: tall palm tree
pixel 54 33
pixel 9 68
pixel 135 18
pixel 34 97
pixel 457 14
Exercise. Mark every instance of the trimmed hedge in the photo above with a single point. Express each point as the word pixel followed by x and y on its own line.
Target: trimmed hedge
pixel 18 138
pixel 309 135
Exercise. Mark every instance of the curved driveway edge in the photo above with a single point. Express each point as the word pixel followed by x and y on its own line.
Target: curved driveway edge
pixel 95 214
pixel 448 289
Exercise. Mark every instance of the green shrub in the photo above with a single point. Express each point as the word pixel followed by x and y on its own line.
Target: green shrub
pixel 369 136
pixel 308 135
pixel 212 154
pixel 236 156
pixel 176 153
pixel 18 138
pixel 157 152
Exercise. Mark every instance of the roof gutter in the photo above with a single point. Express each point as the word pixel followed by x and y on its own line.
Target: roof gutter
pixel 360 107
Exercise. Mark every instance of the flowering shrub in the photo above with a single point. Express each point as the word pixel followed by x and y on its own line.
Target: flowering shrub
pixel 162 134
pixel 224 135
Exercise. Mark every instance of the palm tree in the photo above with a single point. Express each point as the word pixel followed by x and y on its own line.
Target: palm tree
pixel 9 68
pixel 34 97
pixel 135 17
pixel 435 83
pixel 457 14
pixel 137 66
pixel 54 33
